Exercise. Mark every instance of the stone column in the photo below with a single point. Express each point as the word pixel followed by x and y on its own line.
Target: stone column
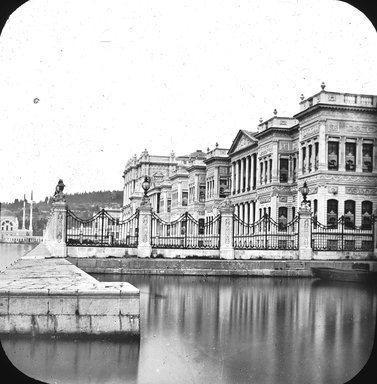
pixel 246 213
pixel 56 242
pixel 242 187
pixel 252 172
pixel 313 156
pixel 342 157
pixel 275 163
pixel 237 177
pixel 322 147
pixel 305 232
pixel 233 178
pixel 300 160
pixel 251 207
pixel 144 248
pixel 226 233
pixel 247 178
pixel 359 155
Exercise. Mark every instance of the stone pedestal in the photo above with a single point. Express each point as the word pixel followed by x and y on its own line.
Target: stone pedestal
pixel 144 248
pixel 56 241
pixel 226 233
pixel 305 232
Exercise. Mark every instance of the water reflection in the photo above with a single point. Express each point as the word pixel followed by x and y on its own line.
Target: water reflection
pixel 9 253
pixel 225 330
pixel 74 361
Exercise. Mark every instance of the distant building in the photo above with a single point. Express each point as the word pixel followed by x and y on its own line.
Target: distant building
pixel 331 143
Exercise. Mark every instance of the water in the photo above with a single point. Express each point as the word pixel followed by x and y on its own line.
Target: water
pixel 9 253
pixel 220 330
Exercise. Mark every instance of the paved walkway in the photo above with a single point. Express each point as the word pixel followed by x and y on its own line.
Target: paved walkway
pixel 35 271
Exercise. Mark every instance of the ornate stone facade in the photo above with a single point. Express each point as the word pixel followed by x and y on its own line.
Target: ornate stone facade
pixel 331 144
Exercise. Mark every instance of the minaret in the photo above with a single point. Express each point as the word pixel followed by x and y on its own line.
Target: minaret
pixel 24 214
pixel 31 214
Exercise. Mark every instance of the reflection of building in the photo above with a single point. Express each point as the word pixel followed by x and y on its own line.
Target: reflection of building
pixel 331 143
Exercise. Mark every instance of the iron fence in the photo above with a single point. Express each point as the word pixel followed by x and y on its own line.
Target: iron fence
pixel 265 233
pixel 342 236
pixel 186 232
pixel 102 230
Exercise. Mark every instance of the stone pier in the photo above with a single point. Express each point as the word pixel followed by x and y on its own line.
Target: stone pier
pixel 42 295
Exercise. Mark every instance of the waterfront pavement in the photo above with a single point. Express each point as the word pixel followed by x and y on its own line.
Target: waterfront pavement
pixel 38 271
pixel 40 294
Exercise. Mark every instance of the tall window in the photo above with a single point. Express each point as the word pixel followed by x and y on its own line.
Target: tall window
pixel 283 170
pixel 270 173
pixel 293 212
pixel 332 213
pixel 366 214
pixel 202 193
pixel 367 157
pixel 282 218
pixel 316 148
pixel 201 227
pixel 158 202
pixel 303 159
pixel 350 156
pixel 169 205
pixel 184 199
pixel 333 154
pixel 310 157
pixel 315 212
pixel 294 168
pixel 261 172
pixel 349 214
pixel 223 188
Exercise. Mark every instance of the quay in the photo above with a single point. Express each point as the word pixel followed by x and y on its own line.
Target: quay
pixel 208 267
pixel 44 295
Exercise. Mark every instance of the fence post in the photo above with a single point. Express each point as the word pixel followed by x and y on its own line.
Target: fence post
pixel 305 232
pixel 144 248
pixel 226 230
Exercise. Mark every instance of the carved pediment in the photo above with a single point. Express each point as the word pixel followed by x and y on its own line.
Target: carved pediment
pixel 241 141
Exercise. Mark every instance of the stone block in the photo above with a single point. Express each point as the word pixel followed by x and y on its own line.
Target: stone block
pixel 130 324
pixel 98 306
pixel 129 306
pixel 28 305
pixel 67 324
pixel 59 305
pixel 105 324
pixel 4 305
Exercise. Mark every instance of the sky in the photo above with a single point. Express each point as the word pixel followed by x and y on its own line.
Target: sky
pixel 85 85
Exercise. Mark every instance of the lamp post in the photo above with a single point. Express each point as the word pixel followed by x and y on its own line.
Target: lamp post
pixel 146 185
pixel 304 191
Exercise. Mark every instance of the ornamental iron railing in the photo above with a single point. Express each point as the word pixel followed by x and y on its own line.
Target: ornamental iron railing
pixel 265 233
pixel 342 235
pixel 186 232
pixel 102 230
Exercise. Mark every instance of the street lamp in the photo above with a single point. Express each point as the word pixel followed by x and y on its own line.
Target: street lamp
pixel 146 184
pixel 304 192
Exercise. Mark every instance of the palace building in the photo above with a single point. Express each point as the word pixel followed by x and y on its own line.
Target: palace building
pixel 331 143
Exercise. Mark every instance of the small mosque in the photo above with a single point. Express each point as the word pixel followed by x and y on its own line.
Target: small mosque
pixel 10 231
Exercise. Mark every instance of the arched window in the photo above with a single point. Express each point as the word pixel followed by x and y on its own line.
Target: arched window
pixel 282 218
pixel 332 213
pixel 349 214
pixel 366 214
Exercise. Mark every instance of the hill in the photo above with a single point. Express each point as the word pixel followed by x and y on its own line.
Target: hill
pixel 83 204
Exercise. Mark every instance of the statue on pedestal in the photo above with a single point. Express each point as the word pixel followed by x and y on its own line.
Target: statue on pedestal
pixel 58 195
